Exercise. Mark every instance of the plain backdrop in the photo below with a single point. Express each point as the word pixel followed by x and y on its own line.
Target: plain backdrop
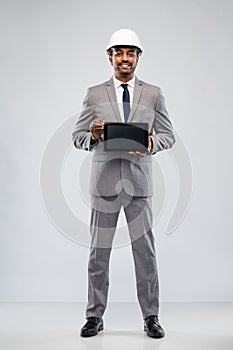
pixel 51 52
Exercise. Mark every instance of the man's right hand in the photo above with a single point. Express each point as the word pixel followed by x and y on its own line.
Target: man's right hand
pixel 96 128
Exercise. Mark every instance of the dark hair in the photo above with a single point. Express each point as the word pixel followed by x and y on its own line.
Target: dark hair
pixel 110 50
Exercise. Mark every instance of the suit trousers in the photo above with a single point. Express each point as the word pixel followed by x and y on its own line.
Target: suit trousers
pixel 104 216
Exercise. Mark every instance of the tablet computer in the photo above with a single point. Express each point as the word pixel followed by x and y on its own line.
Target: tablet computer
pixel 126 136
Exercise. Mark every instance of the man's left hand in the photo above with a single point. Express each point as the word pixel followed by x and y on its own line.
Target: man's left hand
pixel 137 153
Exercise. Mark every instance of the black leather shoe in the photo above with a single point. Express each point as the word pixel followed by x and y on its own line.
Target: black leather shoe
pixel 92 327
pixel 153 328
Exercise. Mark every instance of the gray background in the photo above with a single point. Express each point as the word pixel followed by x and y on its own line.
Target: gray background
pixel 51 51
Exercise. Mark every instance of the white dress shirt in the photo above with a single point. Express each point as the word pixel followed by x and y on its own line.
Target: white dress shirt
pixel 119 93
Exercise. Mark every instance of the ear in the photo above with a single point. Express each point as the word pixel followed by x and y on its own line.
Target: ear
pixel 110 59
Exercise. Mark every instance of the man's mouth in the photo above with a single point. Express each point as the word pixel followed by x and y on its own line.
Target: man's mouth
pixel 125 65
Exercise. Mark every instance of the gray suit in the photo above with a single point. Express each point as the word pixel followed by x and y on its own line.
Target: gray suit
pixel 121 179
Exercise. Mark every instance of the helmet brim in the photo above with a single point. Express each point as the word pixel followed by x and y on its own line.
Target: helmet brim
pixel 124 46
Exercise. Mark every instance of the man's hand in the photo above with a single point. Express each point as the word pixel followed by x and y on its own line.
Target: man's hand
pixel 137 153
pixel 96 128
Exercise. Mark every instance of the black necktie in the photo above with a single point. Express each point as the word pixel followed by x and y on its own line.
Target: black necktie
pixel 126 101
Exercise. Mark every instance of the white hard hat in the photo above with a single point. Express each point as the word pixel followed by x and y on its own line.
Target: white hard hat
pixel 124 37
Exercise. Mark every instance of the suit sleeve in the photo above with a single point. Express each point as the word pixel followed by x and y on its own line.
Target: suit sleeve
pixel 164 137
pixel 81 135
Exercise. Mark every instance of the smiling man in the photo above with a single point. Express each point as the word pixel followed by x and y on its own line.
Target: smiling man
pixel 124 61
pixel 122 179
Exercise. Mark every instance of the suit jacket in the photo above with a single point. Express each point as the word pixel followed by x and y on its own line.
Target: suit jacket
pixel 113 171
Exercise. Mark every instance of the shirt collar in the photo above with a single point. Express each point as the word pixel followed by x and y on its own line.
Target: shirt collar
pixel 118 82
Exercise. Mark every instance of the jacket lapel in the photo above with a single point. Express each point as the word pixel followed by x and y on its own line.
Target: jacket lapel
pixel 113 99
pixel 136 98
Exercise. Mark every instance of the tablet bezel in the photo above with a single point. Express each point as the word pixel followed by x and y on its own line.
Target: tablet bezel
pixel 121 146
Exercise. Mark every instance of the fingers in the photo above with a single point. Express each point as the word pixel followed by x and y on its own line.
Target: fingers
pixel 97 128
pixel 136 153
pixel 149 144
pixel 97 124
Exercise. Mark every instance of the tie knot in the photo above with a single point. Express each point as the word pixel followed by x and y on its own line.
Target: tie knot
pixel 124 86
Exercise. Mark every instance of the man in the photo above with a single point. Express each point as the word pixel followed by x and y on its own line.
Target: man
pixel 122 179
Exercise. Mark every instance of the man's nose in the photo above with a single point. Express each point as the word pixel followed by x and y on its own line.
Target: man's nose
pixel 124 57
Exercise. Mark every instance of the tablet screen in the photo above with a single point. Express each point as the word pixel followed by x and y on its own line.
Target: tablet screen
pixel 126 136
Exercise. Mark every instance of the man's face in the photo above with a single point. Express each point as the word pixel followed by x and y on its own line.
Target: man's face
pixel 124 61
